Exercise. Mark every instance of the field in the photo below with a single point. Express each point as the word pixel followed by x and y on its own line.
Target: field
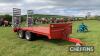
pixel 11 45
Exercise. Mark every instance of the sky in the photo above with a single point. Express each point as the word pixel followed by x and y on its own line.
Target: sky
pixel 52 7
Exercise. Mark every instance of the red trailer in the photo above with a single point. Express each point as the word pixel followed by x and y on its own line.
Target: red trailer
pixel 53 31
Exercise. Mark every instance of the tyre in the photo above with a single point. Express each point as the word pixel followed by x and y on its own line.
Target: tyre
pixel 30 36
pixel 21 34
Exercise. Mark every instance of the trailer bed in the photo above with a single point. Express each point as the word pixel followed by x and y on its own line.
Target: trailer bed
pixel 38 30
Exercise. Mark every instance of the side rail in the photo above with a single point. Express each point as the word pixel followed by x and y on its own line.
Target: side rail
pixel 58 31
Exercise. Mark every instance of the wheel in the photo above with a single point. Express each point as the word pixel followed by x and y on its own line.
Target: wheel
pixel 29 36
pixel 21 34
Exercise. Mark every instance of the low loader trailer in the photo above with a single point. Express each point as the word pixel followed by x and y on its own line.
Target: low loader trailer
pixel 53 31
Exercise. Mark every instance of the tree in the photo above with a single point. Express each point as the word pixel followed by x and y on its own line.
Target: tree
pixel 8 17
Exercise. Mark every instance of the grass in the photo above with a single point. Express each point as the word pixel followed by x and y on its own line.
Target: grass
pixel 11 45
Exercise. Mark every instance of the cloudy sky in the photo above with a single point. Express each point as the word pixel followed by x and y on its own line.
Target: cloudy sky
pixel 53 7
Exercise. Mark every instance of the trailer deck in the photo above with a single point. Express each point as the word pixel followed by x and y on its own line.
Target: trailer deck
pixel 38 30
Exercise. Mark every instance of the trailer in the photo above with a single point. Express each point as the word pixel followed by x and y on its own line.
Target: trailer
pixel 52 31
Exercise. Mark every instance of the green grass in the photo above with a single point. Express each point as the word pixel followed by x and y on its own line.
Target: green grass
pixel 11 45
